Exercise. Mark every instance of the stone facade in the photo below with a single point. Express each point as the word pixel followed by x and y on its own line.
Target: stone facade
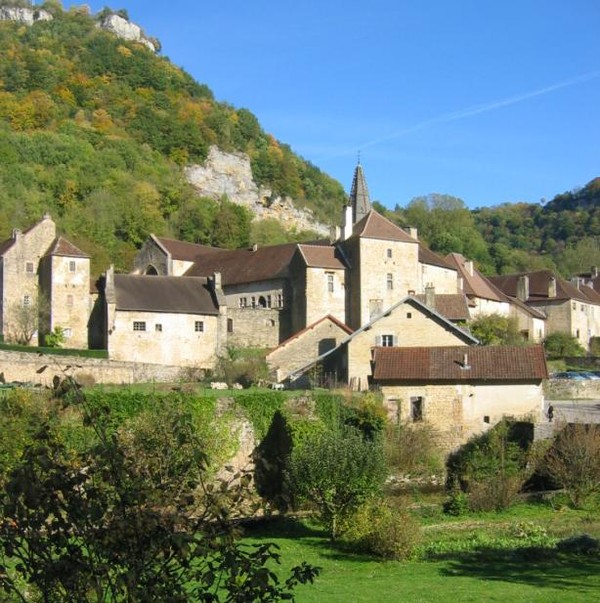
pixel 456 412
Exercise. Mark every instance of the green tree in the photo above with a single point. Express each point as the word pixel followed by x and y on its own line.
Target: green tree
pixel 337 470
pixel 135 517
pixel 561 345
pixel 495 329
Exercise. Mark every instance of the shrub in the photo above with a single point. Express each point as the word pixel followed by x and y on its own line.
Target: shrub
pixel 382 530
pixel 412 449
pixel 573 462
pixel 559 345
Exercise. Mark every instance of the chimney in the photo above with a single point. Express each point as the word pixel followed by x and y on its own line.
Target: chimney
pixel 523 288
pixel 465 364
pixel 430 295
pixel 552 287
pixel 16 233
pixel 461 284
pixel 217 280
pixel 413 232
pixel 594 271
pixel 469 266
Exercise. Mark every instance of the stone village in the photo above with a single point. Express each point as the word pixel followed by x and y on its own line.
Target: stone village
pixel 372 306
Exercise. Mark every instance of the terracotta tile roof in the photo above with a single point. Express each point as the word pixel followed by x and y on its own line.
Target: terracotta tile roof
pixel 62 247
pixel 475 285
pixel 246 265
pixel 375 226
pixel 168 294
pixel 182 250
pixel 426 256
pixel 539 282
pixel 452 306
pixel 320 256
pixel 486 363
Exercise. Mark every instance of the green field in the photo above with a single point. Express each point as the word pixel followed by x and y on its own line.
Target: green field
pixel 495 567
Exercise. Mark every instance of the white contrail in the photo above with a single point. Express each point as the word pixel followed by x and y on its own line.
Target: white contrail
pixel 477 109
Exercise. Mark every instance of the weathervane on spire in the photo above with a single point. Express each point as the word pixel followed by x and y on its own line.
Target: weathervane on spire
pixel 358 158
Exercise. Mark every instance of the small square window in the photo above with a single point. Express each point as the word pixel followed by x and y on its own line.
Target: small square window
pixel 199 326
pixel 67 332
pixel 72 266
pixel 409 315
pixel 389 253
pixel 486 419
pixel 139 325
pixel 27 300
pixel 158 327
pixel 29 267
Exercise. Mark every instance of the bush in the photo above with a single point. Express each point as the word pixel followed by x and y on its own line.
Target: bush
pixel 573 462
pixel 412 449
pixel 559 345
pixel 382 530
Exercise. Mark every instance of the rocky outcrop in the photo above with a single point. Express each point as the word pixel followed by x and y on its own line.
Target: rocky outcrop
pixel 230 174
pixel 28 16
pixel 126 30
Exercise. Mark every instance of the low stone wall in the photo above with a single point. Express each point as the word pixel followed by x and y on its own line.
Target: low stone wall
pixel 29 368
pixel 570 389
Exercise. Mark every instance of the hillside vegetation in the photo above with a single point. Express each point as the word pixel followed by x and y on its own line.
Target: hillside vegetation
pixel 96 130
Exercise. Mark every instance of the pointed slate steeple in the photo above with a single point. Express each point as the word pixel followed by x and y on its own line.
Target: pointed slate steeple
pixel 359 195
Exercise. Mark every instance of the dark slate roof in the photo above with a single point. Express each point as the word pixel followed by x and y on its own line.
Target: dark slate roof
pixel 320 256
pixel 375 226
pixel 359 194
pixel 539 281
pixel 447 364
pixel 246 265
pixel 166 294
pixel 182 250
pixel 452 306
pixel 65 248
pixel 426 256
pixel 475 284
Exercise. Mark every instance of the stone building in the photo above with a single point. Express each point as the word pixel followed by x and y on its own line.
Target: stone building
pixel 45 283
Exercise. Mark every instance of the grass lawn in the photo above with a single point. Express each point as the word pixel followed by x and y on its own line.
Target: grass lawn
pixel 495 572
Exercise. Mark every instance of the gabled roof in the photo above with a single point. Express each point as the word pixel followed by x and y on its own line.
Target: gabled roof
pixel 475 284
pixel 426 256
pixel 321 256
pixel 62 247
pixel 182 250
pixel 452 306
pixel 246 265
pixel 375 226
pixel 344 327
pixel 539 282
pixel 165 294
pixel 460 364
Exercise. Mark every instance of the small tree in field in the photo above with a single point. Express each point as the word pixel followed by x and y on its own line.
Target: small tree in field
pixel 573 462
pixel 134 518
pixel 337 470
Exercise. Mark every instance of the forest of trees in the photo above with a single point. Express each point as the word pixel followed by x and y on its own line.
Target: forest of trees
pixel 96 130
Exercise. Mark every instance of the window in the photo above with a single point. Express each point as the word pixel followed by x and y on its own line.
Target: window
pixel 69 301
pixel 416 409
pixel 243 302
pixel 67 332
pixel 269 301
pixel 27 300
pixel 389 253
pixel 330 282
pixel 279 300
pixel 158 327
pixel 574 305
pixel 390 281
pixel 486 418
pixel 409 315
pixel 387 341
pixel 139 325
pixel 230 325
pixel 72 266
pixel 29 267
pixel 199 326
pixel 253 301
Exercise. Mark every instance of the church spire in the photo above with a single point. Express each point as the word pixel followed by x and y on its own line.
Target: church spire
pixel 359 195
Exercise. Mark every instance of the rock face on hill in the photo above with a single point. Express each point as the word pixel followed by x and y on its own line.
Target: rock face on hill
pixel 230 174
pixel 126 30
pixel 28 16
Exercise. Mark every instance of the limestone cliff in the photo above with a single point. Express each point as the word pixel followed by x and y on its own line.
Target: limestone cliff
pixel 230 174
pixel 28 16
pixel 126 30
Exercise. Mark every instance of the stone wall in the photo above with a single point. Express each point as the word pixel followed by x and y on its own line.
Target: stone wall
pixel 26 368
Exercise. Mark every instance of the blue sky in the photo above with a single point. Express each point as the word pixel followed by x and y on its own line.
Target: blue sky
pixel 490 102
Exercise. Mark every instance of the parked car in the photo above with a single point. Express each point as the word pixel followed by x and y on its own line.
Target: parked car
pixel 574 375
